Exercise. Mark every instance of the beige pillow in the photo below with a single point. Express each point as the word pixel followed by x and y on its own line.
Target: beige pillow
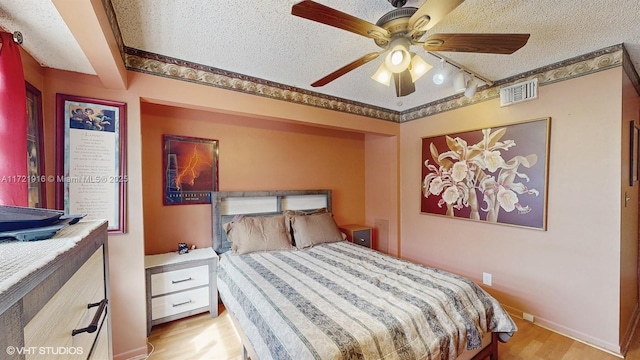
pixel 289 214
pixel 310 230
pixel 258 233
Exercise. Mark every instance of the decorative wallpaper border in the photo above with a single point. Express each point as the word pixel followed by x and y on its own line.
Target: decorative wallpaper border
pixel 160 65
pixel 568 69
pixel 142 61
pixel 149 63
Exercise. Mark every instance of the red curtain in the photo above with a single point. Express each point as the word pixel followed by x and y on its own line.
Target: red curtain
pixel 13 125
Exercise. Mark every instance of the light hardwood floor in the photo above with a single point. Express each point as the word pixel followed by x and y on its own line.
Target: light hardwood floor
pixel 202 338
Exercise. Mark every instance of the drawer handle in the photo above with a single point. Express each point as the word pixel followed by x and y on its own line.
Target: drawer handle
pixel 96 318
pixel 182 303
pixel 361 240
pixel 183 280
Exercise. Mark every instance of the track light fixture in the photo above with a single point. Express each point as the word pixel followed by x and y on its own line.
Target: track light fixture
pixel 441 75
pixel 461 81
pixel 472 86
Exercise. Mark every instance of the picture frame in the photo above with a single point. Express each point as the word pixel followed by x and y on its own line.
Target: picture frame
pixel 91 161
pixel 633 152
pixel 190 166
pixel 495 175
pixel 35 149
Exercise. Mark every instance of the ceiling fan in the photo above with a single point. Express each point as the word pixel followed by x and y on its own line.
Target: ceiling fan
pixel 397 31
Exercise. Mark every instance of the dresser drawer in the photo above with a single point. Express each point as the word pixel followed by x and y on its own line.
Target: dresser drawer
pixel 176 303
pixel 101 348
pixel 66 311
pixel 177 280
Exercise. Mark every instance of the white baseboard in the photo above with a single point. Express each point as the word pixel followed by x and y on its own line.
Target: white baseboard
pixel 136 354
pixel 611 348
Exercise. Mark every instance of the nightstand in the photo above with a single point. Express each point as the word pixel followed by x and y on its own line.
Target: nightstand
pixel 180 285
pixel 358 234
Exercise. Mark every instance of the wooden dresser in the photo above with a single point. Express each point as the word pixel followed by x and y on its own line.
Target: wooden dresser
pixel 54 296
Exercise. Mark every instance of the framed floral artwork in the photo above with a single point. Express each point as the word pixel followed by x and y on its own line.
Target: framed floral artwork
pixel 91 164
pixel 190 168
pixel 495 175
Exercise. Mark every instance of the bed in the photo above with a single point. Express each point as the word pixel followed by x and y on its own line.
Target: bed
pixel 333 300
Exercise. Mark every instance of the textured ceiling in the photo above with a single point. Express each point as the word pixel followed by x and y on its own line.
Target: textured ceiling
pixel 262 39
pixel 46 36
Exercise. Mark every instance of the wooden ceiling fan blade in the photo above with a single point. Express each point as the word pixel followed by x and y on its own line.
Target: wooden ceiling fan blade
pixel 432 11
pixel 478 43
pixel 323 14
pixel 345 69
pixel 404 83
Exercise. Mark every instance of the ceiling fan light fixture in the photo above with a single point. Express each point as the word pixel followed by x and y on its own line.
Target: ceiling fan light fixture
pixel 418 67
pixel 382 75
pixel 399 58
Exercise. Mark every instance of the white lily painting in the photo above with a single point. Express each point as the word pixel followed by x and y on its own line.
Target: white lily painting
pixel 496 175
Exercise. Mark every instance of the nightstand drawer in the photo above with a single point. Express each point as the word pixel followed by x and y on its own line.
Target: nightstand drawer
pixel 362 237
pixel 358 234
pixel 168 305
pixel 176 280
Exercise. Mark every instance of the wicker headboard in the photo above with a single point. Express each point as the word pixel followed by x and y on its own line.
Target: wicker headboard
pixel 227 204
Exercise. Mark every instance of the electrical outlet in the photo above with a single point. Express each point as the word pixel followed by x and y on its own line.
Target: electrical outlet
pixel 486 278
pixel 527 317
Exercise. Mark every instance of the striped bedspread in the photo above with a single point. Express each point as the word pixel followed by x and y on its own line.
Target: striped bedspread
pixel 345 301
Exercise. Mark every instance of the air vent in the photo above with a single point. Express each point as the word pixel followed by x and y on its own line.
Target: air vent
pixel 524 91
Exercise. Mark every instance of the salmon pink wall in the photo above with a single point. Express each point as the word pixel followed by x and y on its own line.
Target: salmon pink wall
pixel 183 94
pixel 253 155
pixel 382 168
pixel 568 277
pixel 126 269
